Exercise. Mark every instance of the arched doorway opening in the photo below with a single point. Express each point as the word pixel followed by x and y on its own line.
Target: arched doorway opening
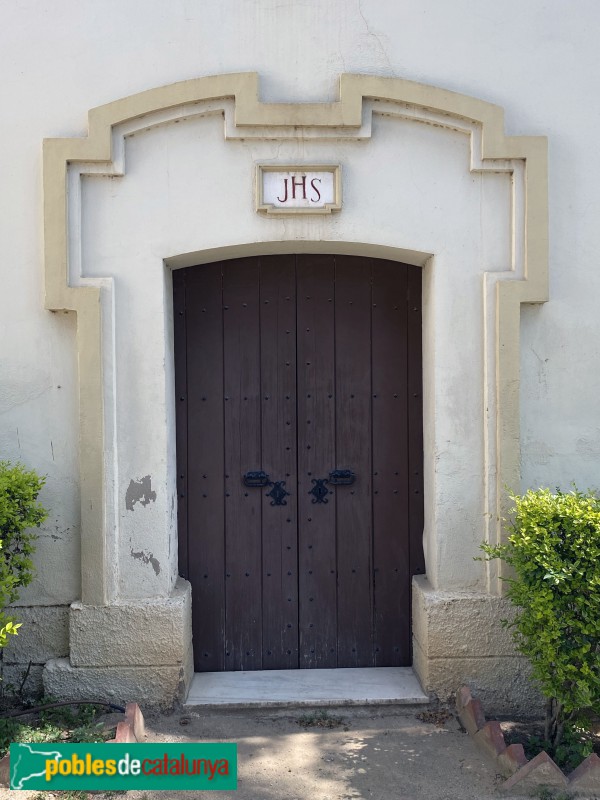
pixel 300 459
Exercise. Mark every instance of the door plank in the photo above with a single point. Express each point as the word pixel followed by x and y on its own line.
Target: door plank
pixel 242 415
pixel 278 393
pixel 415 422
pixel 181 414
pixel 316 457
pixel 390 458
pixel 353 451
pixel 206 557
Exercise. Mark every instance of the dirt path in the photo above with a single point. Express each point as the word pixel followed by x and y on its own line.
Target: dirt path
pixel 366 754
pixel 375 755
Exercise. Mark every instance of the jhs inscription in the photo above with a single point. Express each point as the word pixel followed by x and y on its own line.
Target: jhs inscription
pixel 300 185
pixel 298 191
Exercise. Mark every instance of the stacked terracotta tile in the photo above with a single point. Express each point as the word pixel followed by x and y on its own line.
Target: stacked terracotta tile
pixel 511 761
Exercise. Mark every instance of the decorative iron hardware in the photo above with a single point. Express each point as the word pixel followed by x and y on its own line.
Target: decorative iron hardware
pixel 260 478
pixel 342 477
pixel 278 493
pixel 319 490
pixel 257 478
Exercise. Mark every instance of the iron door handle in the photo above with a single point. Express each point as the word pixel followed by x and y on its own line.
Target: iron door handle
pixel 256 478
pixel 337 477
pixel 341 477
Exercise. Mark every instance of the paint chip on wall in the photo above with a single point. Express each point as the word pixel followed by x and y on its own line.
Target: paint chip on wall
pixel 139 491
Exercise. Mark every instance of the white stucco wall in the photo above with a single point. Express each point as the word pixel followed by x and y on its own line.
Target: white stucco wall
pixel 408 186
pixel 537 60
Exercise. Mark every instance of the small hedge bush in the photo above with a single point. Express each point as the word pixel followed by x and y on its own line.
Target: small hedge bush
pixel 554 549
pixel 19 514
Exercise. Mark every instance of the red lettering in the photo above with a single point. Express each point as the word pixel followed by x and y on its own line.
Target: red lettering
pixel 312 183
pixel 223 767
pixel 299 183
pixel 284 199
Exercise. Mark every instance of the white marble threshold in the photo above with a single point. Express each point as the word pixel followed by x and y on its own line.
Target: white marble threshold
pixel 280 688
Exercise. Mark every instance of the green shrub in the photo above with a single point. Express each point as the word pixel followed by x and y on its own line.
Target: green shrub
pixel 554 549
pixel 19 514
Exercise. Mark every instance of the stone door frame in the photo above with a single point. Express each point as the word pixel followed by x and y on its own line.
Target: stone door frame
pixel 237 96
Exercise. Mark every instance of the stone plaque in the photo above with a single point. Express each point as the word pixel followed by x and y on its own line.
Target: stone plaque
pixel 314 189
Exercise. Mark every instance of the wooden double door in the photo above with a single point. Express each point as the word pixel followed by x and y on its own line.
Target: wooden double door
pixel 299 448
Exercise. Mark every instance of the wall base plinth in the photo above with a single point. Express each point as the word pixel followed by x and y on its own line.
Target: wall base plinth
pixel 159 687
pixel 135 650
pixel 147 632
pixel 44 635
pixel 458 639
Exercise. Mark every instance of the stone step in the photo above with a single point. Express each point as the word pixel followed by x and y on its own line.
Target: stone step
pixel 307 687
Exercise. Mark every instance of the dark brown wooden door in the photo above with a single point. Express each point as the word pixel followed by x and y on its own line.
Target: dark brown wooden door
pixel 296 366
